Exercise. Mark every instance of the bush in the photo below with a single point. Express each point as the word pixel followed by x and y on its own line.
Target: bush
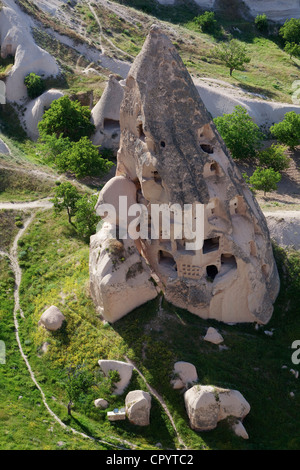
pixel 232 54
pixel 288 131
pixel 34 84
pixel 83 159
pixel 274 157
pixel 66 118
pixel 261 23
pixel 207 22
pixel 241 135
pixel 265 179
pixel 290 31
pixel 292 49
pixel 86 218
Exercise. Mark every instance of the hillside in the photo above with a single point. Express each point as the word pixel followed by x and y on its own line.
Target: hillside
pixel 44 260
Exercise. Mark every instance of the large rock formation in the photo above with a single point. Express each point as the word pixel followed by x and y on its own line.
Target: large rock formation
pixel 52 319
pixel 106 115
pixel 171 153
pixel 207 405
pixel 138 406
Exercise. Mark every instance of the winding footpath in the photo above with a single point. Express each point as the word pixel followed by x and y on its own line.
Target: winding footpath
pixel 13 258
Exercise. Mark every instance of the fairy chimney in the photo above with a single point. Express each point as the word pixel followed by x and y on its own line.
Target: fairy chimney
pixel 172 152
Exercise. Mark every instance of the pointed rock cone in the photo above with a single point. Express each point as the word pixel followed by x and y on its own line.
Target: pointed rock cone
pixel 173 153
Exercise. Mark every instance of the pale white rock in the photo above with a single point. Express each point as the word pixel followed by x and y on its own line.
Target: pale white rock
pixel 202 407
pixel 177 384
pixel 213 336
pixel 16 39
pixel 138 406
pixel 101 403
pixel 232 403
pixel 186 372
pixel 123 368
pixel 106 115
pixel 4 148
pixel 239 429
pixel 35 110
pixel 207 405
pixel 52 319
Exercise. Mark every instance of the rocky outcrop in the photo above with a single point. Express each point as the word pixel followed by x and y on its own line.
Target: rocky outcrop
pixel 207 405
pixel 123 368
pixel 213 336
pixel 101 403
pixel 185 375
pixel 138 406
pixel 106 115
pixel 36 109
pixel 16 40
pixel 52 319
pixel 172 152
pixel 120 280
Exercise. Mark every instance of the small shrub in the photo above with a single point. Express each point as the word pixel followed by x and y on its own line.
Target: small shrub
pixel 240 133
pixel 233 55
pixel 34 84
pixel 274 157
pixel 290 31
pixel 288 131
pixel 207 22
pixel 261 23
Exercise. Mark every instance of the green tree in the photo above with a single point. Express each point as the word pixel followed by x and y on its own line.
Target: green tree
pixel 240 133
pixel 34 84
pixel 274 157
pixel 265 179
pixel 233 54
pixel 66 197
pixel 51 146
pixel 77 384
pixel 292 49
pixel 290 31
pixel 261 23
pixel 82 158
pixel 86 218
pixel 66 118
pixel 288 131
pixel 207 22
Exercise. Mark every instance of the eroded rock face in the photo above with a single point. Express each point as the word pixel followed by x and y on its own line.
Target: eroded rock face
pixel 123 368
pixel 106 115
pixel 52 319
pixel 207 405
pixel 138 406
pixel 173 153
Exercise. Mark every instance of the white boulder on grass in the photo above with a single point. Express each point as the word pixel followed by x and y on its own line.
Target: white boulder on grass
pixel 138 406
pixel 207 405
pixel 213 336
pixel 186 374
pixel 239 430
pixel 101 403
pixel 52 319
pixel 123 368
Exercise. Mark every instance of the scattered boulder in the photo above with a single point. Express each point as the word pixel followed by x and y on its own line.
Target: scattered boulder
pixel 4 148
pixel 239 430
pixel 187 375
pixel 138 406
pixel 52 319
pixel 36 109
pixel 207 405
pixel 123 368
pixel 101 403
pixel 213 336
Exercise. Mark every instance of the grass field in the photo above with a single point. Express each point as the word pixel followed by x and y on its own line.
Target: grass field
pixel 55 271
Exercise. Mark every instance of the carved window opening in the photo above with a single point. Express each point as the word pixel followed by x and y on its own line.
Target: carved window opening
pixel 190 271
pixel 111 125
pixel 163 144
pixel 207 148
pixel 211 244
pixel 141 132
pixel 211 271
pixel 166 260
pixel 228 261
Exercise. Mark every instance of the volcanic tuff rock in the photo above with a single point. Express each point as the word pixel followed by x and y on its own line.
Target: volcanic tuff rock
pixel 171 151
pixel 138 406
pixel 52 319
